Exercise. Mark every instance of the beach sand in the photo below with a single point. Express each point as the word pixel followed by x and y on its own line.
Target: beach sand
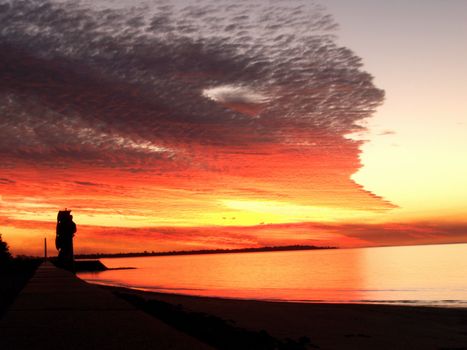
pixel 334 326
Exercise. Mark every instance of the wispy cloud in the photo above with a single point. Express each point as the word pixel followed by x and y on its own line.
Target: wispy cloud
pixel 5 181
pixel 200 98
pixel 340 235
pixel 77 79
pixel 86 183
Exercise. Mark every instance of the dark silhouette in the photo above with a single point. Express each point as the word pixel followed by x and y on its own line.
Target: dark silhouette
pixel 66 229
pixel 5 255
pixel 203 251
pixel 14 274
pixel 221 334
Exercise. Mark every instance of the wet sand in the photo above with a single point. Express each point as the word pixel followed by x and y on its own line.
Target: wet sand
pixel 334 326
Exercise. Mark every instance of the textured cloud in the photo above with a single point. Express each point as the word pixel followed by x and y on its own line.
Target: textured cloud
pixel 79 78
pixel 186 102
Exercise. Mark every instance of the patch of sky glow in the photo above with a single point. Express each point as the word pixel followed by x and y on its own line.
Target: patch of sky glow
pixel 235 94
pixel 27 208
pixel 26 202
pixel 302 143
pixel 295 212
pixel 142 145
pixel 89 135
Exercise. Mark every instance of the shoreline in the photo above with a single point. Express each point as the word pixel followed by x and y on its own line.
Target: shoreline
pixel 442 304
pixel 328 325
pixel 272 249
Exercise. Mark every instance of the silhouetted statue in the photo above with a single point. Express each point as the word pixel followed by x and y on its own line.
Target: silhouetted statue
pixel 66 229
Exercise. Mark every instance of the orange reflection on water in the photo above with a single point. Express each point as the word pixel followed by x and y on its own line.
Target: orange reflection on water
pixel 422 275
pixel 331 275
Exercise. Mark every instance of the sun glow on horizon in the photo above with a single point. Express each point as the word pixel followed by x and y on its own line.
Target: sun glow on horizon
pixel 285 212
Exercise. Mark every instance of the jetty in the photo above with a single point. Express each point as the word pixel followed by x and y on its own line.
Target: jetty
pixel 57 310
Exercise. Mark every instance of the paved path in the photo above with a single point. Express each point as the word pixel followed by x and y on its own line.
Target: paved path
pixel 57 310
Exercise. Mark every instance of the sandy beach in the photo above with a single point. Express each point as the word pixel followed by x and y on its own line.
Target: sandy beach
pixel 332 326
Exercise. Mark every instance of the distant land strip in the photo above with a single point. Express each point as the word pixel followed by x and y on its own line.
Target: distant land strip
pixel 203 251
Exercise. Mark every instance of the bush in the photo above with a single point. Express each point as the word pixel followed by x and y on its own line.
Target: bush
pixel 5 255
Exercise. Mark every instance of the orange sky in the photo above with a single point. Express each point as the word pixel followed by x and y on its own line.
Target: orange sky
pixel 201 127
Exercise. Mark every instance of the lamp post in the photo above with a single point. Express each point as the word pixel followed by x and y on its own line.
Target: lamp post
pixel 45 249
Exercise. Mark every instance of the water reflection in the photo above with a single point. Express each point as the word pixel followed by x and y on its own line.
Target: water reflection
pixel 422 274
pixel 429 273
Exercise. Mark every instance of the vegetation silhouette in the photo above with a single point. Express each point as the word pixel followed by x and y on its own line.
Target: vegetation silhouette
pixel 202 251
pixel 5 255
pixel 14 274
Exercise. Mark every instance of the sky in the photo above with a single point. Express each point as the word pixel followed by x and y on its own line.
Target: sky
pixel 177 125
pixel 416 51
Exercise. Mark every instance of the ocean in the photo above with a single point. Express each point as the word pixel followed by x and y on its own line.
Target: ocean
pixel 434 275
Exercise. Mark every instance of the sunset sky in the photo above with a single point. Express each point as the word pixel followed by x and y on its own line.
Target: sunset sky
pixel 214 124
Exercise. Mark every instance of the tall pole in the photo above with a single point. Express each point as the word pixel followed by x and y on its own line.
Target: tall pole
pixel 45 249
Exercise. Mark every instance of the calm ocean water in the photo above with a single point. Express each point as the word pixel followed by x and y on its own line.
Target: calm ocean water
pixel 419 275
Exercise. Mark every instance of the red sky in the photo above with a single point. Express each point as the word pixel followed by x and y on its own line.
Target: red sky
pixel 188 127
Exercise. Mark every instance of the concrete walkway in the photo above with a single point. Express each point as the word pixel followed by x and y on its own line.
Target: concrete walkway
pixel 57 310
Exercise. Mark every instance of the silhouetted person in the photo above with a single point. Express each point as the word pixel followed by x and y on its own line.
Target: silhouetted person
pixel 66 229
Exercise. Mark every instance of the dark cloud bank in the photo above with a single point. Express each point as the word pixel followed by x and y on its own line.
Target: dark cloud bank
pixel 151 86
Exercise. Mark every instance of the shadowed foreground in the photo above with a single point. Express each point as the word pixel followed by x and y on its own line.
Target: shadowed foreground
pixel 14 274
pixel 329 326
pixel 56 310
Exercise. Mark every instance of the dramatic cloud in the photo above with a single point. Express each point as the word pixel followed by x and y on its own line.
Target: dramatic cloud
pixel 193 103
pixel 78 78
